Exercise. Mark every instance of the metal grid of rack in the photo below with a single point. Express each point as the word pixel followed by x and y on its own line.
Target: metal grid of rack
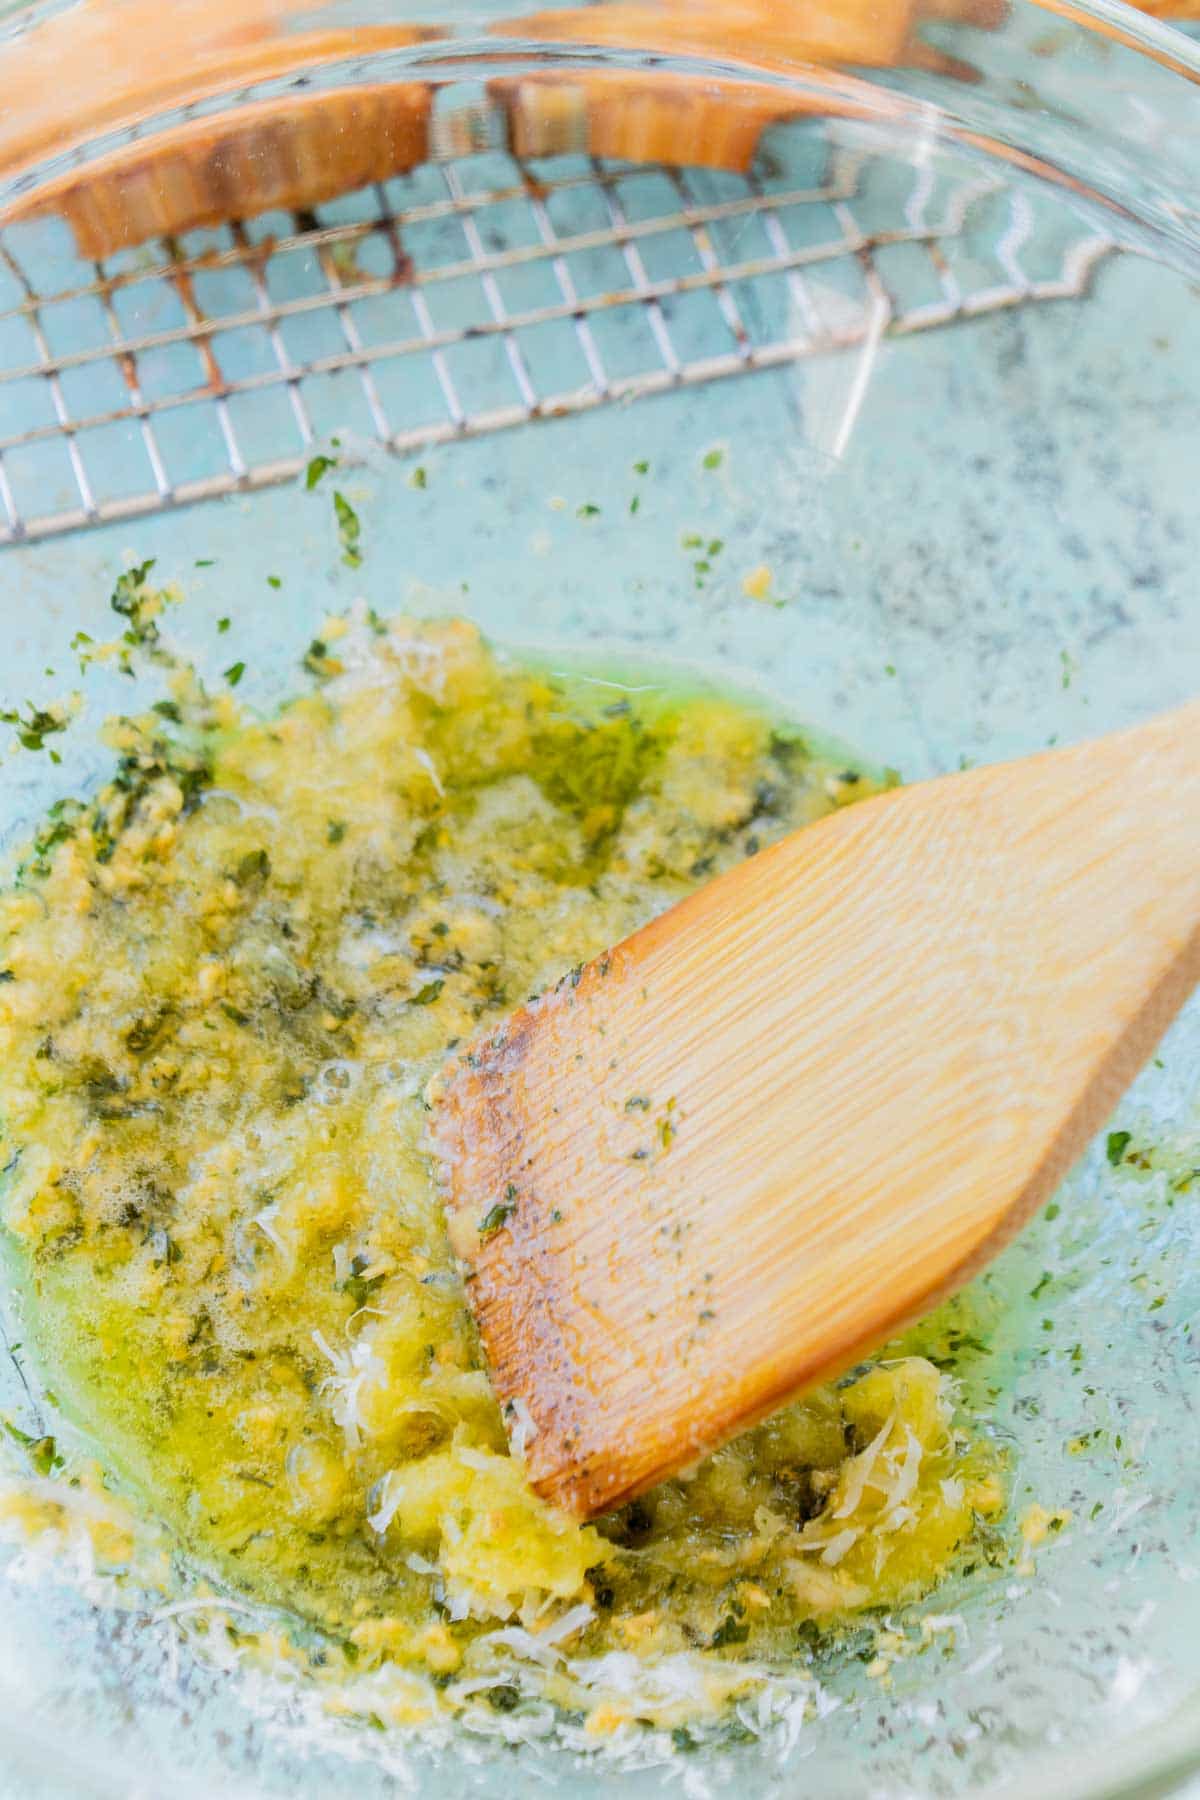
pixel 466 298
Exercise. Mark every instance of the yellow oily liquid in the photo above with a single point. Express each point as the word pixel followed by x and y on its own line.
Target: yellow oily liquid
pixel 227 980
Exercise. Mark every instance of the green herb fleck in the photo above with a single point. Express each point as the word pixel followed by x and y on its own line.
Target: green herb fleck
pixel 358 1284
pixel 1042 1285
pixel 349 530
pixel 1116 1146
pixel 234 673
pixel 589 510
pixel 42 1452
pixel 641 468
pixel 1053 1210
pixel 129 600
pixel 728 1632
pixel 335 831
pixel 714 459
pixel 273 581
pixel 496 1216
pixel 254 867
pixel 316 468
pixel 204 562
pixel 223 624
pixel 634 504
pixel 428 994
pixel 418 478
pixel 37 725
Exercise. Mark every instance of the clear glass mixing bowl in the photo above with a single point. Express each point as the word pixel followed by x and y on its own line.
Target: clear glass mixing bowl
pixel 930 360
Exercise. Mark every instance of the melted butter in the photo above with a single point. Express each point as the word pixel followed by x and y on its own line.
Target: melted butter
pixel 228 980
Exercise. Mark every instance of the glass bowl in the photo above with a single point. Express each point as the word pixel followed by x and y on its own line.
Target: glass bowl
pixel 915 346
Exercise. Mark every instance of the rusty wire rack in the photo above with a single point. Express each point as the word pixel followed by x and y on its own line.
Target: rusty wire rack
pixel 472 296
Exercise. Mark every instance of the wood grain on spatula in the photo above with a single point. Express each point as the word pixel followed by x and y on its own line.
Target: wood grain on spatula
pixel 733 1153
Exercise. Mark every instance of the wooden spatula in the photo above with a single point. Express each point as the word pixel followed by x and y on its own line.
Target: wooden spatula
pixel 724 1159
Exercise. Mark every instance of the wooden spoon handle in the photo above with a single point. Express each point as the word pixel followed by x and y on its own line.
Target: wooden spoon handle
pixel 878 1047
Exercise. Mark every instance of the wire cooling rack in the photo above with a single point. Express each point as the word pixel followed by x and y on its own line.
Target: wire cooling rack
pixel 471 296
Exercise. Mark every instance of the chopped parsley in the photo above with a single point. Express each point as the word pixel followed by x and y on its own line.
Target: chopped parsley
pixel 1115 1147
pixel 428 994
pixel 42 1452
pixel 335 831
pixel 714 459
pixel 499 1214
pixel 223 624
pixel 315 658
pixel 131 599
pixel 273 581
pixel 38 724
pixel 253 868
pixel 349 530
pixel 316 468
pixel 358 1284
pixel 234 673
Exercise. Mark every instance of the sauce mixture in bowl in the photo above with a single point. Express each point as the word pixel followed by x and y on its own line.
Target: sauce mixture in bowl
pixel 225 982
